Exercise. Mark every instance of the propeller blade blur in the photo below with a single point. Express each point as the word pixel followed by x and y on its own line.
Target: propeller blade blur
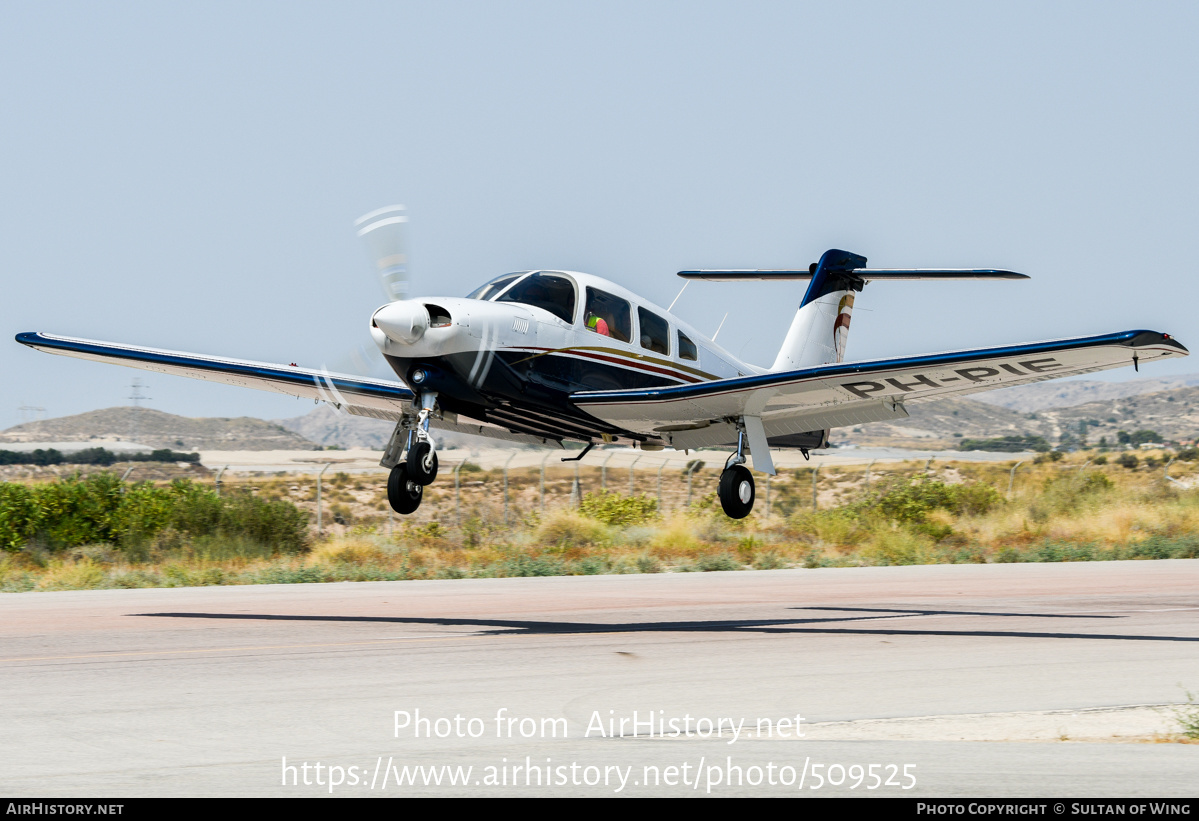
pixel 386 234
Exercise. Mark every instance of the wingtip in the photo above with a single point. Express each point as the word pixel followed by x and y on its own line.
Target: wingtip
pixel 28 337
pixel 1141 338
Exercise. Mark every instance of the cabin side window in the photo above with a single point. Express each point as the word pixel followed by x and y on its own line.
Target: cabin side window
pixel 608 315
pixel 655 332
pixel 687 349
pixel 551 293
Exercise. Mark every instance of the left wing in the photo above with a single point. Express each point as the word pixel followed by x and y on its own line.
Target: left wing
pixel 362 396
pixel 828 396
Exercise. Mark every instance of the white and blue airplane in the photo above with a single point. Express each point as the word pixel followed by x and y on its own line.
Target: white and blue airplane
pixel 548 357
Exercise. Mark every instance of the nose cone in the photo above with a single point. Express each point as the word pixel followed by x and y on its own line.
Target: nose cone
pixel 405 321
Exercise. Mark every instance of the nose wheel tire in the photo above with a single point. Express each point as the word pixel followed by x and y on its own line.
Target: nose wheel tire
pixel 422 463
pixel 736 492
pixel 403 494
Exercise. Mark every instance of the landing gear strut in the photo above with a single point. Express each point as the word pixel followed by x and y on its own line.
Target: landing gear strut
pixel 736 489
pixel 410 472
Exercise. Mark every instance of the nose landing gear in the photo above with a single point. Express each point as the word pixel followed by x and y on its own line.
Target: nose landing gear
pixel 411 472
pixel 403 494
pixel 422 463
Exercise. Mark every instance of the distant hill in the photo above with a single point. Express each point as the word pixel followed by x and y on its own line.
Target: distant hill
pixel 327 426
pixel 1053 394
pixel 944 423
pixel 160 430
pixel 1173 413
pixel 940 423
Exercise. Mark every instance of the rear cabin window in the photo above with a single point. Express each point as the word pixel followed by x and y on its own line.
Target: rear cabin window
pixel 687 349
pixel 655 332
pixel 551 293
pixel 608 315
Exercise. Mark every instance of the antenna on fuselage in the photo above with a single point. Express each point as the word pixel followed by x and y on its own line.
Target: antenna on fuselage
pixel 721 325
pixel 676 299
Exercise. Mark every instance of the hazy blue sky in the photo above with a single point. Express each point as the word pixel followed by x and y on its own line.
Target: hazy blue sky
pixel 186 175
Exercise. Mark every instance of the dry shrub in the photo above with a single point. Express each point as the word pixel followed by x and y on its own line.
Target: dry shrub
pixel 843 528
pixel 618 509
pixel 71 575
pixel 346 551
pixel 898 546
pixel 566 528
pixel 677 536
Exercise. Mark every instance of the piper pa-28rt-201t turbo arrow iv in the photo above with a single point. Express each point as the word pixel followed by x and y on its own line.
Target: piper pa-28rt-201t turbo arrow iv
pixel 550 356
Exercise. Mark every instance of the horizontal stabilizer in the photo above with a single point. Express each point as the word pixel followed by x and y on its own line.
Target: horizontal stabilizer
pixel 864 274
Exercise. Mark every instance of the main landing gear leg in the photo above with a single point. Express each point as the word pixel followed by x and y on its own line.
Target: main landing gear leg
pixel 736 490
pixel 410 472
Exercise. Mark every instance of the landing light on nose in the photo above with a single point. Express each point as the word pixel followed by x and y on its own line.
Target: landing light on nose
pixel 405 321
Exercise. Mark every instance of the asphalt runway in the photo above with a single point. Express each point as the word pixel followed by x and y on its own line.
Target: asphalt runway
pixel 1039 680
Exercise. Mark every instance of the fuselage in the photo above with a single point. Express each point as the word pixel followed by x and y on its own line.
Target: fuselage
pixel 516 349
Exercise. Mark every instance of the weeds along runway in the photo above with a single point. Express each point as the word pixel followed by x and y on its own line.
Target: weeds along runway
pixel 972 680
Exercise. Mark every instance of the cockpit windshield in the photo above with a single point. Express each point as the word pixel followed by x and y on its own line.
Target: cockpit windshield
pixel 549 292
pixel 489 291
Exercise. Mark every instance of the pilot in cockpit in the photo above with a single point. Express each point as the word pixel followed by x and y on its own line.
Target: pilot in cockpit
pixel 597 323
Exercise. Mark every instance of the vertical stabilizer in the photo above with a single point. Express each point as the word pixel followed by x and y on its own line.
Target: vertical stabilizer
pixel 820 330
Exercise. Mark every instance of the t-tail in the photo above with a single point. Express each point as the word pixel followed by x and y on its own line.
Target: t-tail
pixel 819 333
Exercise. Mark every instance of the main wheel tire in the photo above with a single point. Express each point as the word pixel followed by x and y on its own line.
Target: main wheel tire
pixel 737 492
pixel 403 494
pixel 422 463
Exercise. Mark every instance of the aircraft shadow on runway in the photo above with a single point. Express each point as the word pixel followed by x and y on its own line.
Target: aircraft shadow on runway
pixel 785 626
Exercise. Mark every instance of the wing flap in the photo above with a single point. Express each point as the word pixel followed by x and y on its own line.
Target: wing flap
pixel 724 433
pixel 465 425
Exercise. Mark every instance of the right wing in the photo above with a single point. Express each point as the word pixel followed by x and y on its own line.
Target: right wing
pixel 361 396
pixel 379 398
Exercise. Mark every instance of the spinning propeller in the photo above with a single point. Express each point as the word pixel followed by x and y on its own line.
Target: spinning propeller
pixel 385 232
